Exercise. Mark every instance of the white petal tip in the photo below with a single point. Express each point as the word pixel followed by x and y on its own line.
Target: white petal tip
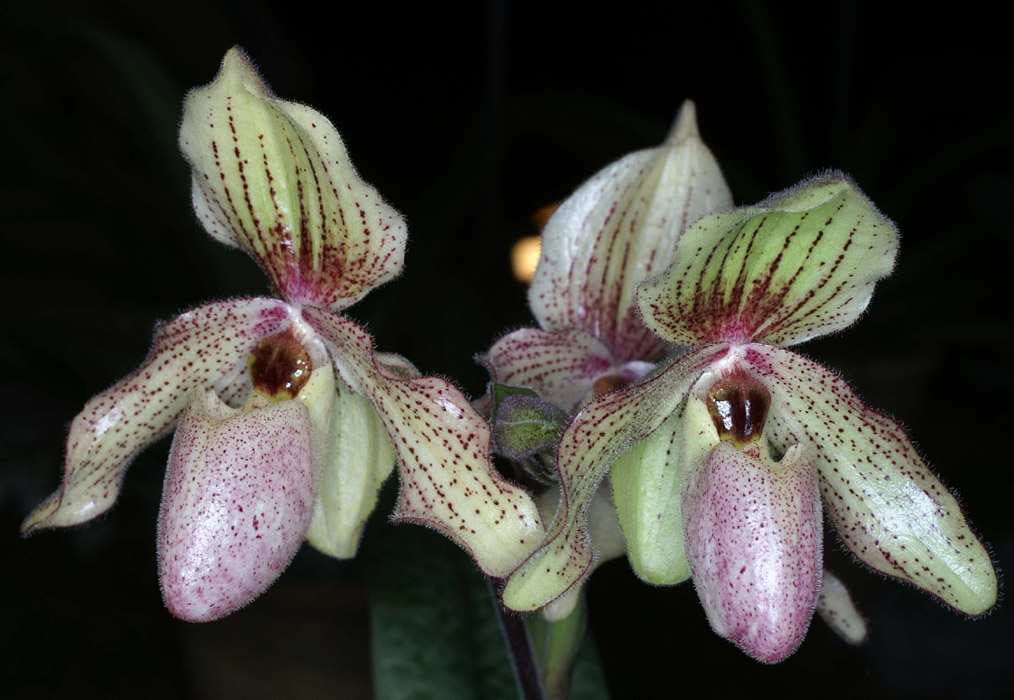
pixel 685 126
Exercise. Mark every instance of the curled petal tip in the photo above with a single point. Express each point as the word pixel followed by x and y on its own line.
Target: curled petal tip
pixel 236 503
pixel 39 519
pixel 685 126
pixel 604 537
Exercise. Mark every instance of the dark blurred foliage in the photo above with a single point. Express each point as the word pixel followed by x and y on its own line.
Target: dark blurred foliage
pixel 468 118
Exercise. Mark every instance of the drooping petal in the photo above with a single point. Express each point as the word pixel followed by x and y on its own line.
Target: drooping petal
pixel 601 432
pixel 753 538
pixel 606 541
pixel 801 264
pixel 202 349
pixel 646 489
pixel 835 607
pixel 237 500
pixel 360 459
pixel 274 178
pixel 618 229
pixel 886 504
pixel 561 367
pixel 447 480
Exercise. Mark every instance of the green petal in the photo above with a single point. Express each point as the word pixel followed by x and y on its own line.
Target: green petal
pixel 617 230
pixel 801 264
pixel 646 489
pixel 359 460
pixel 274 178
pixel 886 504
pixel 593 441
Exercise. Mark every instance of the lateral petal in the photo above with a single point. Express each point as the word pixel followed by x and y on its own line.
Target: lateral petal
pixel 601 432
pixel 560 366
pixel 618 229
pixel 447 480
pixel 753 537
pixel 886 504
pixel 800 264
pixel 203 349
pixel 273 178
pixel 237 500
pixel 606 540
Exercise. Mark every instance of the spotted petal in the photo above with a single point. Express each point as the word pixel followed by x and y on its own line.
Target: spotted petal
pixel 274 178
pixel 604 535
pixel 886 504
pixel 753 535
pixel 617 230
pixel 447 480
pixel 237 500
pixel 563 366
pixel 202 349
pixel 601 432
pixel 801 264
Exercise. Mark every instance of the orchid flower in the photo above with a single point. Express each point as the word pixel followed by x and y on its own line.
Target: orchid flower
pixel 613 232
pixel 616 230
pixel 286 419
pixel 723 460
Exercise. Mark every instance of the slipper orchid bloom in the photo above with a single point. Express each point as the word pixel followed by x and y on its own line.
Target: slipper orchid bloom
pixel 286 419
pixel 615 231
pixel 612 233
pixel 723 460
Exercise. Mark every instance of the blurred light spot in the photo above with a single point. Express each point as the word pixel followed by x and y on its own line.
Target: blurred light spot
pixel 525 257
pixel 540 217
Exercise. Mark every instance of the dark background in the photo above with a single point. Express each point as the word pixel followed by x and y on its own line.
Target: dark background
pixel 468 118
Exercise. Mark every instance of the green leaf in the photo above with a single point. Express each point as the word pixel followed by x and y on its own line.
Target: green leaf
pixel 567 658
pixel 435 632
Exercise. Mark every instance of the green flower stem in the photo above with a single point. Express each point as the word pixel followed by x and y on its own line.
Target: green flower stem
pixel 556 645
pixel 519 648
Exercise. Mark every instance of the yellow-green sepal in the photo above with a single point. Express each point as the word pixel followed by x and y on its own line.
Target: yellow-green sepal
pixel 360 457
pixel 646 483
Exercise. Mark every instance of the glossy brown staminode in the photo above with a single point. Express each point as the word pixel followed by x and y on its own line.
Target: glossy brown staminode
pixel 608 384
pixel 280 366
pixel 738 405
